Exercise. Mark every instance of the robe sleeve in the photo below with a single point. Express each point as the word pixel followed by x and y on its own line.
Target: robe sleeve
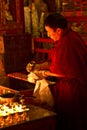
pixel 69 58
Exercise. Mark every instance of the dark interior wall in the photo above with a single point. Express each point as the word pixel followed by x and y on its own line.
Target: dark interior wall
pixel 51 5
pixel 18 51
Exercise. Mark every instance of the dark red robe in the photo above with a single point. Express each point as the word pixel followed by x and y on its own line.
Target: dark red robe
pixel 69 57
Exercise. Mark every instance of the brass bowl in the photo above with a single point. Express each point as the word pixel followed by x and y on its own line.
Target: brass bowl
pixel 9 97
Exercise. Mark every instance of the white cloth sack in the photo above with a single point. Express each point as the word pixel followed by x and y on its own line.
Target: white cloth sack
pixel 42 92
pixel 32 77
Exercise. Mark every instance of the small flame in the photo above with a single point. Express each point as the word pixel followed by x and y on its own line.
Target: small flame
pixel 6 110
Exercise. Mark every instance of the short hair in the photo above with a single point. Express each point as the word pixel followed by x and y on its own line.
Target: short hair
pixel 56 20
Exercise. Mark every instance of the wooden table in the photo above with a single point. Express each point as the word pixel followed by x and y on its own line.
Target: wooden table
pixel 39 119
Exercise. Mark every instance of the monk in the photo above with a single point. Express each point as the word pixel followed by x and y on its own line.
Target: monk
pixel 68 62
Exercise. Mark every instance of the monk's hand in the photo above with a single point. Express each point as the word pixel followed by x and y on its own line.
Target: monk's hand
pixel 32 66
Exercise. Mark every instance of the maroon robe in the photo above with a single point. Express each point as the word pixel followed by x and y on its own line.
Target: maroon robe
pixel 69 57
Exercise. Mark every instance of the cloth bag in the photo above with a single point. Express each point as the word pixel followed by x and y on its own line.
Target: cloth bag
pixel 43 93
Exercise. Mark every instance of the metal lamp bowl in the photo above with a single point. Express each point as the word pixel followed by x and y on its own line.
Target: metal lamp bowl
pixel 9 97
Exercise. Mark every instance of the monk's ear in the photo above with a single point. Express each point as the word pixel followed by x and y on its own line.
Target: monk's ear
pixel 59 30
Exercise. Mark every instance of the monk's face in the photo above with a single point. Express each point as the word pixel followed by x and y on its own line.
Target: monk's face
pixel 54 34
